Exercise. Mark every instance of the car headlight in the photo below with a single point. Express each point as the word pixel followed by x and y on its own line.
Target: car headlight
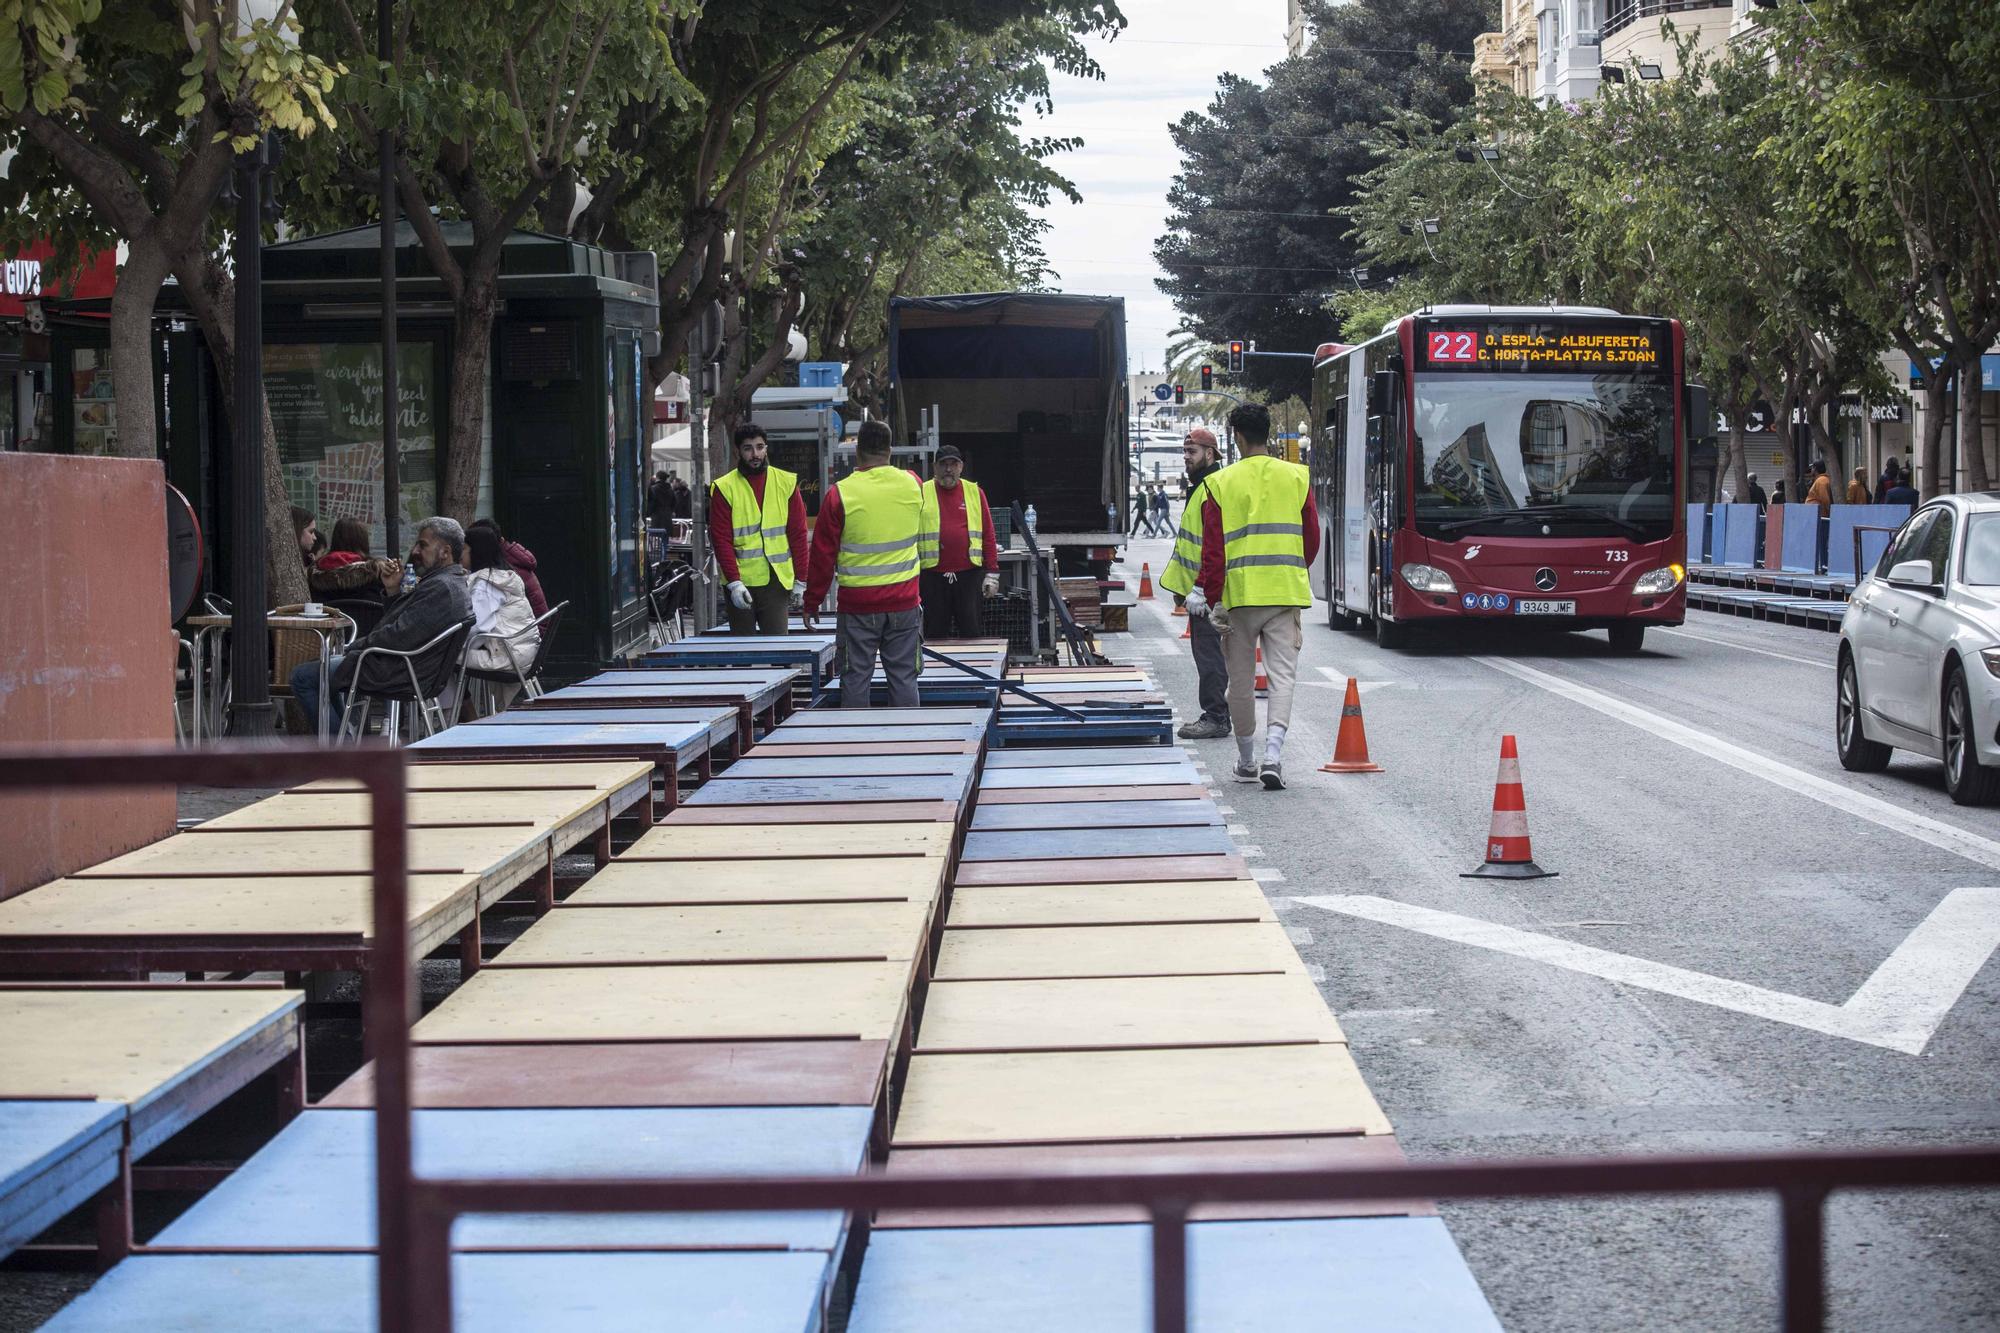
pixel 1428 578
pixel 1991 656
pixel 1658 582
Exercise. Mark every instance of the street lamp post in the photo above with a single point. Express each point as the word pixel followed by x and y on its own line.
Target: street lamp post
pixel 392 405
pixel 250 710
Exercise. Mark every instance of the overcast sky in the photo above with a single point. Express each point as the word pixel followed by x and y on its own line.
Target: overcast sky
pixel 1165 63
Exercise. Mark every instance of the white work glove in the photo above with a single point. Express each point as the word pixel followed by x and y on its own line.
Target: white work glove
pixel 739 596
pixel 990 586
pixel 1197 602
pixel 1219 618
pixel 798 595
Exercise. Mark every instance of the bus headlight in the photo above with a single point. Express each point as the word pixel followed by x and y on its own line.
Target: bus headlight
pixel 1427 578
pixel 1659 582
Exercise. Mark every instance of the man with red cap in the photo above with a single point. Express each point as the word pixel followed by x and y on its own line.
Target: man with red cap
pixel 968 559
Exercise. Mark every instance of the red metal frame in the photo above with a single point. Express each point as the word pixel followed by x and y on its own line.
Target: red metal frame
pixel 414 1216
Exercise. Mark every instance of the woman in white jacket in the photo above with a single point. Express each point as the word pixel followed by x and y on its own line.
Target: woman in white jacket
pixel 499 609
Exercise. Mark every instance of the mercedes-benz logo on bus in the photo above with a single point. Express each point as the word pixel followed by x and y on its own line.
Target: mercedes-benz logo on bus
pixel 1545 579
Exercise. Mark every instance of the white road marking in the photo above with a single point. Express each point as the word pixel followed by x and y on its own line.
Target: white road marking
pixel 1900 819
pixel 1237 830
pixel 1336 679
pixel 1299 934
pixel 1900 1007
pixel 1226 810
pixel 1743 647
pixel 1316 974
pixel 1267 874
pixel 1252 853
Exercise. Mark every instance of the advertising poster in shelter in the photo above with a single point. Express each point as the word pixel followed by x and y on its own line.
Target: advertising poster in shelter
pixel 326 411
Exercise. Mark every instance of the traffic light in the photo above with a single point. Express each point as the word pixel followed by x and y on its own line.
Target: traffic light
pixel 1207 378
pixel 1236 356
pixel 1180 396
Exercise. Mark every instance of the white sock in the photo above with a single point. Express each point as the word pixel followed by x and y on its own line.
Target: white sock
pixel 1274 742
pixel 1246 749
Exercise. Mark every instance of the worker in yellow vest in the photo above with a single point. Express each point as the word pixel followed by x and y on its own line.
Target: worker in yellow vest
pixel 757 529
pixel 1259 535
pixel 874 534
pixel 1202 456
pixel 968 561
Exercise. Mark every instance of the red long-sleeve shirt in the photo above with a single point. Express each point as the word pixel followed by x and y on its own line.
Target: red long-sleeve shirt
pixel 722 527
pixel 1212 560
pixel 827 527
pixel 955 538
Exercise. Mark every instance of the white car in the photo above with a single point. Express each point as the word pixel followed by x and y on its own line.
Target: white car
pixel 1920 649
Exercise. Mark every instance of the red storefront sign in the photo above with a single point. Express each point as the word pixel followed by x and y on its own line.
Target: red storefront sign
pixel 28 275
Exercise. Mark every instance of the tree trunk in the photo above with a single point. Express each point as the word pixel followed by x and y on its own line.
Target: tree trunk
pixel 471 350
pixel 132 373
pixel 1937 394
pixel 1738 461
pixel 1972 425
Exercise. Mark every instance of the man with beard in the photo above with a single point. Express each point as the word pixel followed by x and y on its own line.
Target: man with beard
pixel 757 529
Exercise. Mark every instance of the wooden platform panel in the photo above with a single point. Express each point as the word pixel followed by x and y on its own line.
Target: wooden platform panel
pixel 704 842
pixel 320 852
pixel 637 715
pixel 1177 791
pixel 1186 813
pixel 766 816
pixel 506 775
pixel 1104 870
pixel 742 1073
pixel 754 1002
pixel 312 1185
pixel 820 734
pixel 54 1157
pixel 1104 1013
pixel 746 1292
pixel 1090 775
pixel 1017 905
pixel 1107 1096
pixel 848 766
pixel 888 717
pixel 127 1044
pixel 748 933
pixel 831 791
pixel 1115 951
pixel 428 809
pixel 1064 756
pixel 1075 844
pixel 772 749
pixel 332 905
pixel 1330 1153
pixel 676 883
pixel 642 739
pixel 758 677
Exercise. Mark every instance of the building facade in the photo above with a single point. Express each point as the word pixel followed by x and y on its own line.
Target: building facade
pixel 1557 50
pixel 1295 28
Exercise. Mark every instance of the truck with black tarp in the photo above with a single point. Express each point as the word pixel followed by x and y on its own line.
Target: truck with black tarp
pixel 1031 388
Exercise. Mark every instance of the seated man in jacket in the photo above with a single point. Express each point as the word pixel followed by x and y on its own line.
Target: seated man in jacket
pixel 441 599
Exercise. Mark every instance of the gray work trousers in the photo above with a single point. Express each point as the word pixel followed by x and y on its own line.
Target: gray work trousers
pixel 1210 669
pixel 1279 632
pixel 769 612
pixel 898 637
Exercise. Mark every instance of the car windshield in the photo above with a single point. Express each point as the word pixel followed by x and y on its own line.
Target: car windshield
pixel 1583 455
pixel 1982 550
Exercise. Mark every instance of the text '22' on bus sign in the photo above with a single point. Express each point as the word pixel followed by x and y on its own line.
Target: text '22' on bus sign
pixel 1516 346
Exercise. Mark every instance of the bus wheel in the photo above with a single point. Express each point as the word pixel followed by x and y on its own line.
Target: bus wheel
pixel 1388 634
pixel 1627 638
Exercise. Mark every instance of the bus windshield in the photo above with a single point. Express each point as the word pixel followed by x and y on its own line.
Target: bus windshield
pixel 1581 455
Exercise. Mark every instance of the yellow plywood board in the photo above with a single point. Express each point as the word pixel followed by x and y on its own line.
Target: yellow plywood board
pixel 121 1045
pixel 670 883
pixel 297 905
pixel 1108 904
pixel 692 842
pixel 1071 1096
pixel 595 774
pixel 701 1003
pixel 1097 1012
pixel 329 810
pixel 823 932
pixel 1116 951
pixel 328 851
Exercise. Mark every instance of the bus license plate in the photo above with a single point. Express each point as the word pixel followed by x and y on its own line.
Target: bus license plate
pixel 1527 607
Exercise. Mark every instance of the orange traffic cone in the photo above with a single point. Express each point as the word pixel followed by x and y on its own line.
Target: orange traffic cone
pixel 1507 852
pixel 1145 581
pixel 1350 747
pixel 1187 630
pixel 1179 610
pixel 1263 682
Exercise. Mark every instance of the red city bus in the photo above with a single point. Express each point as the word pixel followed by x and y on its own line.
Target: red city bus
pixel 1524 463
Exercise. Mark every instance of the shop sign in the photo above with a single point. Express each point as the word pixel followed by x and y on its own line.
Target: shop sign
pixel 1853 409
pixel 29 276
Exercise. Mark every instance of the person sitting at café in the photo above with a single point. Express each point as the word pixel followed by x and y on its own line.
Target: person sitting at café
pixel 307 531
pixel 500 611
pixel 441 598
pixel 522 561
pixel 347 571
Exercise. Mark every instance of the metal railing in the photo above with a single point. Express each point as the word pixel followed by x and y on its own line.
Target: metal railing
pixel 414 1215
pixel 1624 13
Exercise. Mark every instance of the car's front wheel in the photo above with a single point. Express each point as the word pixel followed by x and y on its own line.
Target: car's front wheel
pixel 1969 781
pixel 1858 754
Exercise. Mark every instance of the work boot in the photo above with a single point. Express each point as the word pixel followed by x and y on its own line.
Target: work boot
pixel 1273 777
pixel 1245 772
pixel 1204 729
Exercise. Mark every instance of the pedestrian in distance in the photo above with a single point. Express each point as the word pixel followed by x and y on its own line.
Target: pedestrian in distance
pixel 1142 511
pixel 1821 495
pixel 307 531
pixel 1891 474
pixel 757 529
pixel 660 498
pixel 1160 525
pixel 1200 453
pixel 874 536
pixel 1754 494
pixel 1904 492
pixel 1857 488
pixel 967 559
pixel 1259 535
pixel 522 561
pixel 500 613
pixel 1778 492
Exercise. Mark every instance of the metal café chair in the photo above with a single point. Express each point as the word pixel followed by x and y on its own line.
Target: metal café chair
pixel 664 622
pixel 530 680
pixel 428 668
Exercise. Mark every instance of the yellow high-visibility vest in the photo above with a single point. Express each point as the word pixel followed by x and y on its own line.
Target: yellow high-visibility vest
pixel 1263 541
pixel 763 551
pixel 975 531
pixel 1184 566
pixel 883 514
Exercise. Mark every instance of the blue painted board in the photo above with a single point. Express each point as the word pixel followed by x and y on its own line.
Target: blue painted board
pixel 726 642
pixel 314 1183
pixel 786 734
pixel 826 716
pixel 1737 546
pixel 1065 844
pixel 855 765
pixel 666 715
pixel 1069 756
pixel 1799 547
pixel 1107 775
pixel 54 1156
pixel 491 1293
pixel 1840 537
pixel 1381 1274
pixel 1096 814
pixel 671 735
pixel 1697 533
pixel 790 791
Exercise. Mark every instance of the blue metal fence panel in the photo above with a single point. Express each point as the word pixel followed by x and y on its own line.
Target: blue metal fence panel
pixel 1697 529
pixel 1840 540
pixel 1737 543
pixel 1800 554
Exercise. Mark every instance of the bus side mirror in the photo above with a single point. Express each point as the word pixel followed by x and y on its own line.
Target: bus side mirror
pixel 1700 417
pixel 1381 393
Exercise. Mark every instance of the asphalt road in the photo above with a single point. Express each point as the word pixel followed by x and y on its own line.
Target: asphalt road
pixel 1691 800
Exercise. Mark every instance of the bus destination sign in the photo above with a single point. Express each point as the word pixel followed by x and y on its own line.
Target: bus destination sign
pixel 1632 346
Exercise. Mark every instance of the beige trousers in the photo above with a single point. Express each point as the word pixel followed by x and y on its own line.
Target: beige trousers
pixel 1278 631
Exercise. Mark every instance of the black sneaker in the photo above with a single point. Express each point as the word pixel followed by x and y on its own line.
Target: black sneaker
pixel 1204 729
pixel 1272 776
pixel 1245 772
